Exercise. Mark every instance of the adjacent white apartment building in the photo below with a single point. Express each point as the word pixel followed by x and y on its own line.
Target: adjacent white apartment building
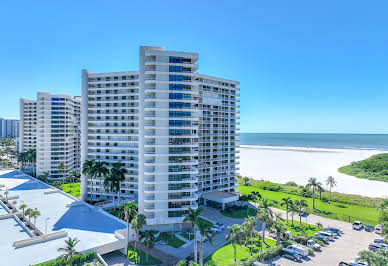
pixel 175 130
pixel 27 125
pixel 9 128
pixel 56 132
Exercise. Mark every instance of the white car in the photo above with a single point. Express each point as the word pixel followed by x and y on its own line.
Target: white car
pixel 357 225
pixel 326 234
pixel 313 244
pixel 302 251
pixel 378 229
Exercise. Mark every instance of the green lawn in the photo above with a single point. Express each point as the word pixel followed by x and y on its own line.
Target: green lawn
pixel 75 189
pixel 239 212
pixel 225 254
pixel 171 239
pixel 206 221
pixel 296 229
pixel 334 210
pixel 187 236
pixel 373 168
pixel 142 259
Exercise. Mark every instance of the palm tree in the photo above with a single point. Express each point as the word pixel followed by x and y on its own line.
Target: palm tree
pixel 286 201
pixel 300 204
pixel 293 209
pixel 29 213
pixel 245 181
pixel 205 232
pixel 235 236
pixel 74 174
pixel 192 217
pixel 129 211
pixel 330 181
pixel 110 185
pixel 22 159
pixel 35 215
pixel 266 218
pixel 279 229
pixel 314 184
pixel 148 239
pixel 137 224
pixel 266 204
pixel 31 159
pixel 256 195
pixel 44 177
pixel 69 250
pixel 118 172
pixel 62 168
pixel 23 206
pixel 87 171
pixel 249 226
pixel 98 170
pixel 6 192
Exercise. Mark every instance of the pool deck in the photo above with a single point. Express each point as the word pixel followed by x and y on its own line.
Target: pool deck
pixel 96 229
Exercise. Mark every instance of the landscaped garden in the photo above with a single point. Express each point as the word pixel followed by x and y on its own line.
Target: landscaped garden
pixel 239 212
pixel 225 255
pixel 171 239
pixel 300 229
pixel 141 257
pixel 187 236
pixel 339 211
pixel 73 189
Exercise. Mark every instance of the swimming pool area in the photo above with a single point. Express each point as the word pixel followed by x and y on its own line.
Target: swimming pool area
pixel 96 229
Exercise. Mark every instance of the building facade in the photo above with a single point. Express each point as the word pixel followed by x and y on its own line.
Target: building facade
pixel 55 134
pixel 175 131
pixel 27 125
pixel 9 128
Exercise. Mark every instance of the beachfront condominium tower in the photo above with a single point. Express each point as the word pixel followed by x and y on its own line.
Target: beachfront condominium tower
pixel 174 130
pixel 27 125
pixel 9 128
pixel 56 133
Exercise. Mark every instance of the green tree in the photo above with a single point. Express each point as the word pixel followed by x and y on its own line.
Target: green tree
pixel 87 167
pixel 331 182
pixel 137 224
pixel 205 231
pixel 74 174
pixel 265 216
pixel 129 210
pixel 300 204
pixel 245 181
pixel 314 184
pixel 44 177
pixel 293 209
pixel 286 201
pixel 148 239
pixel 98 170
pixel 23 206
pixel 192 217
pixel 69 250
pixel 29 213
pixel 235 236
pixel 110 183
pixel 249 226
pixel 62 168
pixel 118 171
pixel 279 229
pixel 35 214
pixel 378 258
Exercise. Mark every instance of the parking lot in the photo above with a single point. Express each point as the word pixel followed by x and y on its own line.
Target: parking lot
pixel 345 248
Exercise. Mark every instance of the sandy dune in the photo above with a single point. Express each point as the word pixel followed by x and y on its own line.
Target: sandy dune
pixel 282 164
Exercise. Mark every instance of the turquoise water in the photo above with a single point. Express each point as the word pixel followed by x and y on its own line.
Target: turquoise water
pixel 338 141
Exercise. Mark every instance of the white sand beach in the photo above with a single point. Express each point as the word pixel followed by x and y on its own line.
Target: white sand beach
pixel 283 164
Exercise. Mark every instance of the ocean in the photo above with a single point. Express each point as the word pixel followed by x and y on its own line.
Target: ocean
pixel 315 140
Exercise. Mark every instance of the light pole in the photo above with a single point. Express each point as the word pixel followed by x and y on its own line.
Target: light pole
pixel 45 229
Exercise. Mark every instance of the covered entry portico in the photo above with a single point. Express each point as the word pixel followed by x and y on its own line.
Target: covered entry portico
pixel 220 197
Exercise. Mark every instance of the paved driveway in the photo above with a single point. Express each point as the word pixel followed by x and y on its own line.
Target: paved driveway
pixel 345 248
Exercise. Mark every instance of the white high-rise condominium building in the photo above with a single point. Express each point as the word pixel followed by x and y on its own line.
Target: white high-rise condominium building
pixel 9 128
pixel 27 125
pixel 174 130
pixel 56 132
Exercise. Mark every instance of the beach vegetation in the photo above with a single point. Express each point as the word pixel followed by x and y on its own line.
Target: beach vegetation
pixel 291 184
pixel 373 168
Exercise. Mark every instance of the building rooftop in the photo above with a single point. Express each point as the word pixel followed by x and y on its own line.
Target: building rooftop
pixel 96 229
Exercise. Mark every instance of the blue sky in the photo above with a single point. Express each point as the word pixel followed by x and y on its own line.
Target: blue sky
pixel 304 66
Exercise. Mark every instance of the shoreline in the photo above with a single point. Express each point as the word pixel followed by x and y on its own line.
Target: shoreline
pixel 281 164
